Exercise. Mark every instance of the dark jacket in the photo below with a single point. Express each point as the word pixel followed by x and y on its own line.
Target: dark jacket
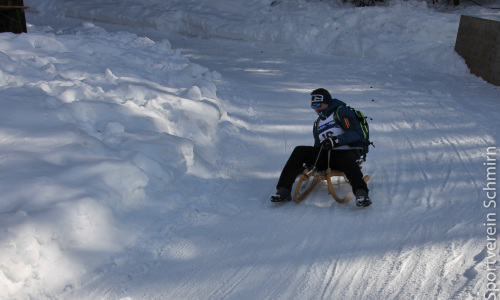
pixel 346 119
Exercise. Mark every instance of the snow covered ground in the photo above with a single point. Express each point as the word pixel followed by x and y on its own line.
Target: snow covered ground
pixel 140 142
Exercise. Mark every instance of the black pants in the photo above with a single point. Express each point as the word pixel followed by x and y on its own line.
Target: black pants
pixel 343 160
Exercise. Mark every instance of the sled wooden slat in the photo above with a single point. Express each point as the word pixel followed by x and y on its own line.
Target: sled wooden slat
pixel 298 196
pixel 317 177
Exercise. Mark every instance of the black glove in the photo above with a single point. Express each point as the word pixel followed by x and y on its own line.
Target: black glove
pixel 330 143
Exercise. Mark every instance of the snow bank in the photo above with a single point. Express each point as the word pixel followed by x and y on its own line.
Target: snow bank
pixel 95 125
pixel 109 142
pixel 402 30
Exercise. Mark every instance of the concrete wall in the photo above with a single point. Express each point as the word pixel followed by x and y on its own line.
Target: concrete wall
pixel 478 42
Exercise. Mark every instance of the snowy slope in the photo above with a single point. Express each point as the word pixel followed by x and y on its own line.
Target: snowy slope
pixel 139 149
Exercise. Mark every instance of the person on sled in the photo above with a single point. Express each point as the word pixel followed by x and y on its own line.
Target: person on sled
pixel 344 142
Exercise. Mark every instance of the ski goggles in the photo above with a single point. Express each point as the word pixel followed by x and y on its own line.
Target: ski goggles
pixel 316 105
pixel 317 98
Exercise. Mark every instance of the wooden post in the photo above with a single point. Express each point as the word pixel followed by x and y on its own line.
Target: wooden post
pixel 12 18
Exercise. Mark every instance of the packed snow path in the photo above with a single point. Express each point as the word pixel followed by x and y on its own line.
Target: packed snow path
pixel 423 238
pixel 211 233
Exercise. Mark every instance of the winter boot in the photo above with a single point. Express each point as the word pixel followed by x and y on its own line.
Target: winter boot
pixel 282 195
pixel 362 198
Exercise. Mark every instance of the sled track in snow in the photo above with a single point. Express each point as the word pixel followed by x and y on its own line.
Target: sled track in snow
pixel 240 246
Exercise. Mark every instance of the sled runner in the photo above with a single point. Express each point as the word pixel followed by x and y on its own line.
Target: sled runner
pixel 310 178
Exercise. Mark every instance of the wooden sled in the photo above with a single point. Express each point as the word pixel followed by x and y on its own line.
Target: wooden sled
pixel 310 178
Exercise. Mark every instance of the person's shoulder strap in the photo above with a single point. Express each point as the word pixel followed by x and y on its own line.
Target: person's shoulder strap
pixel 338 120
pixel 316 123
pixel 336 112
